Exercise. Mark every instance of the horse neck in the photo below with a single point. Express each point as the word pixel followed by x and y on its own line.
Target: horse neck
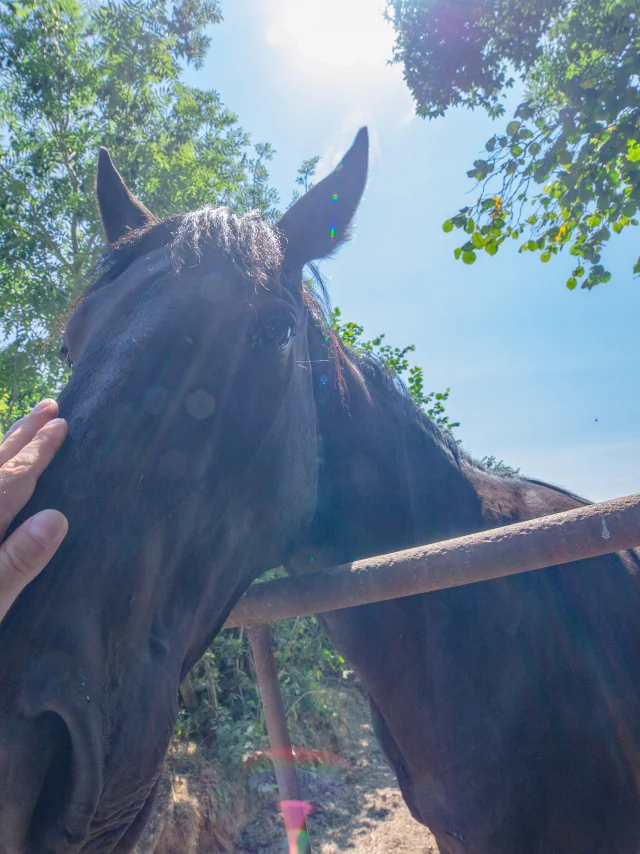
pixel 389 478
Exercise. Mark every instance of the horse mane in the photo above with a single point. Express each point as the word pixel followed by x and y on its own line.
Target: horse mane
pixel 392 391
pixel 378 381
pixel 555 488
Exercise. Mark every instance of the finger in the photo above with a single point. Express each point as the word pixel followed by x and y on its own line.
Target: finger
pixel 19 475
pixel 27 551
pixel 12 429
pixel 23 431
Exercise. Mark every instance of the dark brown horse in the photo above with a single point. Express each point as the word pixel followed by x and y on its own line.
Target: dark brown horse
pixel 190 467
pixel 509 710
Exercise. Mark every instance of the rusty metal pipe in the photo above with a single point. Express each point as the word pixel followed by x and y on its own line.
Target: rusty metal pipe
pixel 281 752
pixel 585 532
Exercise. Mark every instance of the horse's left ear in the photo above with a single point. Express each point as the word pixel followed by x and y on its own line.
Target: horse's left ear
pixel 120 211
pixel 319 221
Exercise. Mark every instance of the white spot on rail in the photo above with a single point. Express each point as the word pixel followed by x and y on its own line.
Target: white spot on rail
pixel 605 531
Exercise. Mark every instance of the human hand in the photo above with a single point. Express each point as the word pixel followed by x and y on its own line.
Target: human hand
pixel 25 452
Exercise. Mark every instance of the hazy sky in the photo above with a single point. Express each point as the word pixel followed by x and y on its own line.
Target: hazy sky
pixel 531 365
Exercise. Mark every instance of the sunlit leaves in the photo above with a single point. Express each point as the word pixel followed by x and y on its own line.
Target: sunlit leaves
pixel 567 168
pixel 633 154
pixel 394 360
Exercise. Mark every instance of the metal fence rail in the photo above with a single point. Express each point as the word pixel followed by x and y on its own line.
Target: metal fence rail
pixel 585 532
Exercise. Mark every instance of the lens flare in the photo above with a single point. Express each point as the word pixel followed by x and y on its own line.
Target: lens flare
pixel 295 812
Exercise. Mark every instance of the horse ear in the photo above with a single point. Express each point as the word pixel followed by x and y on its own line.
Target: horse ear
pixel 319 221
pixel 120 211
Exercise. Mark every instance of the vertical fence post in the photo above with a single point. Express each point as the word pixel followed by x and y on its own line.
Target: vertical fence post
pixel 294 809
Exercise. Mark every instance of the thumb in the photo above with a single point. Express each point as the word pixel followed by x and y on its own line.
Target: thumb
pixel 26 552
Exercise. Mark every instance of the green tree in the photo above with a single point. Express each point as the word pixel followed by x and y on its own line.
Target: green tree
pixel 565 173
pixel 73 77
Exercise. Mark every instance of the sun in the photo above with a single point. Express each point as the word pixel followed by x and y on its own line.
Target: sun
pixel 337 32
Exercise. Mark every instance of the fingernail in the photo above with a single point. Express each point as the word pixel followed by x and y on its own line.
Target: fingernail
pixel 48 527
pixel 44 404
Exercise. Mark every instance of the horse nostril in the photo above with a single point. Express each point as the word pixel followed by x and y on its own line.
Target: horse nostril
pixel 57 784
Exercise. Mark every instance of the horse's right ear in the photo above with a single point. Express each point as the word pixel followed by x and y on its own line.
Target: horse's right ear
pixel 120 211
pixel 319 221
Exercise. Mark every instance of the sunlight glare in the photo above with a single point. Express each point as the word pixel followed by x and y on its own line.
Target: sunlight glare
pixel 338 32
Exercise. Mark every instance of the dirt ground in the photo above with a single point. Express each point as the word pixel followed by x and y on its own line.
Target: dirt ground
pixel 358 810
pixel 357 807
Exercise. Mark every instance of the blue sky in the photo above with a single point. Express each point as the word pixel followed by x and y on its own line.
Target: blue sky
pixel 531 365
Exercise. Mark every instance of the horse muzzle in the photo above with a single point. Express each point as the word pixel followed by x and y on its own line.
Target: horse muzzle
pixel 50 772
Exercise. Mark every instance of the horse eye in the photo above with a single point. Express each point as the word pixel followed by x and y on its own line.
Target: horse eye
pixel 275 333
pixel 64 354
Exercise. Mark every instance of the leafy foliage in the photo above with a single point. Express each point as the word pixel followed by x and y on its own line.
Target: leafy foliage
pixel 457 52
pixel 73 77
pixel 499 467
pixel 305 175
pixel 228 713
pixel 565 173
pixel 395 361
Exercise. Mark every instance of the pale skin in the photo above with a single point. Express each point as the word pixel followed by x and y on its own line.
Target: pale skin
pixel 25 452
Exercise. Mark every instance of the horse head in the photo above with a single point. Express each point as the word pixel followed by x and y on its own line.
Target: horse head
pixel 189 468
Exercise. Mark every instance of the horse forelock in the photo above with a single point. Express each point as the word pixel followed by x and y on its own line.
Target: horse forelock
pixel 248 241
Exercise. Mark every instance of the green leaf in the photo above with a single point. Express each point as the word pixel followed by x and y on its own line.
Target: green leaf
pixel 525 111
pixel 447 226
pixel 572 283
pixel 482 168
pixel 545 256
pixel 513 128
pixel 468 257
pixel 478 240
pixel 633 154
